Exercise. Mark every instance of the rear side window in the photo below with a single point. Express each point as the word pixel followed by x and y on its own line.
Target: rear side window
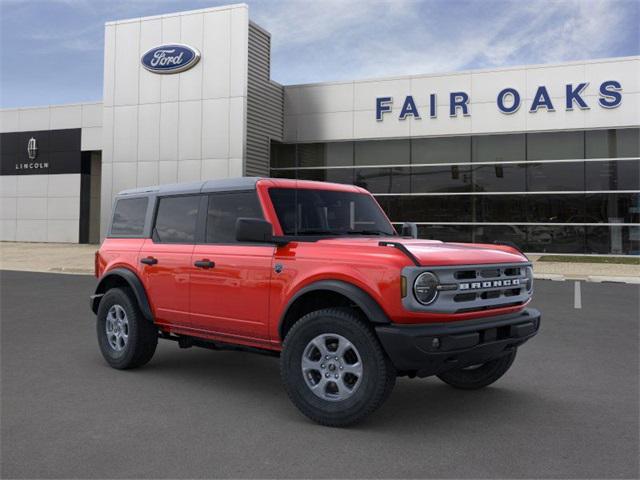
pixel 176 219
pixel 224 209
pixel 128 217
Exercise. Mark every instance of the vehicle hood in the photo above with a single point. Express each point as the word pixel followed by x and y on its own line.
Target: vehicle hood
pixel 435 252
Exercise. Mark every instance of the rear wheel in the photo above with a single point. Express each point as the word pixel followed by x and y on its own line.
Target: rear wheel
pixel 334 368
pixel 126 338
pixel 479 376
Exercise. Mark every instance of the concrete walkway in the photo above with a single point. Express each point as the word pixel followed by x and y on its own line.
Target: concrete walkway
pixel 593 272
pixel 71 258
pixel 47 257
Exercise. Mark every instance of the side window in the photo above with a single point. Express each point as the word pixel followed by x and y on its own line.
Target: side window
pixel 176 219
pixel 224 209
pixel 128 216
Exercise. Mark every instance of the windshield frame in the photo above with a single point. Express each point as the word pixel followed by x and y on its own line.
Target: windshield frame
pixel 319 234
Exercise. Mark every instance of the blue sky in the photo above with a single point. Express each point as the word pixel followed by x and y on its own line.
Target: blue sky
pixel 51 51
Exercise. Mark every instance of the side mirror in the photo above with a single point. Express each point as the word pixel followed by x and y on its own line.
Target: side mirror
pixel 253 230
pixel 409 229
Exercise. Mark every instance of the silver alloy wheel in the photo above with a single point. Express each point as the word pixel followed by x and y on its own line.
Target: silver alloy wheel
pixel 332 367
pixel 117 327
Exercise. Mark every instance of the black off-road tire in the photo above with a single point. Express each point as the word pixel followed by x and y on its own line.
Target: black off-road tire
pixel 378 376
pixel 481 376
pixel 142 334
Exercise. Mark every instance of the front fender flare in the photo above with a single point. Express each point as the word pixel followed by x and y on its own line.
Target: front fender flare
pixel 362 299
pixel 132 280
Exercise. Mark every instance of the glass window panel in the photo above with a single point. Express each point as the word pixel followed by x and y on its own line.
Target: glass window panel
pixel 613 143
pixel 283 155
pixel 335 175
pixel 319 212
pixel 555 145
pixel 339 175
pixel 128 216
pixel 223 211
pixel 499 208
pixel 548 177
pixel 388 204
pixel 427 208
pixel 384 180
pixel 446 233
pixel 558 208
pixel 446 178
pixel 499 178
pixel 516 234
pixel 310 154
pixel 315 175
pixel 441 150
pixel 613 175
pixel 499 148
pixel 325 154
pixel 613 240
pixel 382 152
pixel 534 238
pixel 613 208
pixel 284 173
pixel 176 219
pixel 338 154
pixel 555 239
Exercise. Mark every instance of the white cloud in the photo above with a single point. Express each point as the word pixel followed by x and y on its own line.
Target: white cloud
pixel 325 40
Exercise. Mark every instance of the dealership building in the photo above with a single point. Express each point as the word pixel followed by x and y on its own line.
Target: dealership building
pixel 545 156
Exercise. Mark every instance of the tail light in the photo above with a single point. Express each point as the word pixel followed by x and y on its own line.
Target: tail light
pixel 96 264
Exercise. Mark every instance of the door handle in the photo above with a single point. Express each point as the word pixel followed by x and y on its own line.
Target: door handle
pixel 204 263
pixel 149 260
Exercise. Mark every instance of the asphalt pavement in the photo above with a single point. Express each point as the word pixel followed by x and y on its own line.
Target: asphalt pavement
pixel 568 408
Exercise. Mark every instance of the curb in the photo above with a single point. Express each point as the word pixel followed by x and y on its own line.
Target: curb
pixel 556 277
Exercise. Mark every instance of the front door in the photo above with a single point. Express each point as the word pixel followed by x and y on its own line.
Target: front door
pixel 165 259
pixel 230 281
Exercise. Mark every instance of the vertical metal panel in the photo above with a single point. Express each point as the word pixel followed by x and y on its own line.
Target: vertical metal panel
pixel 265 104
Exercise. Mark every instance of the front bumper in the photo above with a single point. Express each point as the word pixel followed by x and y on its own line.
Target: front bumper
pixel 426 350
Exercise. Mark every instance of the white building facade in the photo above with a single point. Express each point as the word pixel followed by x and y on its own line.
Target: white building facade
pixel 544 156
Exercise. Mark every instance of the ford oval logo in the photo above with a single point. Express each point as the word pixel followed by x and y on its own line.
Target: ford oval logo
pixel 173 58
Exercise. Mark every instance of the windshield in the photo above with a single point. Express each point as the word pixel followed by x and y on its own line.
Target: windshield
pixel 327 212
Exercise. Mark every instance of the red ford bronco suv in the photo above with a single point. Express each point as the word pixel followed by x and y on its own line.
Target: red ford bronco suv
pixel 315 273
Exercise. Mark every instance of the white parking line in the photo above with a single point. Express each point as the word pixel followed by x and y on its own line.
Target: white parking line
pixel 577 295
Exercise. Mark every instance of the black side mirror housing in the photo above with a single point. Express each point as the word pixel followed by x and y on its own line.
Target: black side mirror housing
pixel 253 230
pixel 409 229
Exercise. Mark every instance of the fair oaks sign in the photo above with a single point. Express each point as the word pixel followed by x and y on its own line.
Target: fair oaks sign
pixel 173 58
pixel 508 100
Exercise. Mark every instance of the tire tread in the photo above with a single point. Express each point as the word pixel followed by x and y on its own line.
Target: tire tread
pixel 384 365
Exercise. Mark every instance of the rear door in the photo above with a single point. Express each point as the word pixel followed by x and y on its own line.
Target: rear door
pixel 230 281
pixel 165 259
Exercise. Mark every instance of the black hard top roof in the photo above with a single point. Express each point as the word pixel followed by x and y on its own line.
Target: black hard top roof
pixel 220 185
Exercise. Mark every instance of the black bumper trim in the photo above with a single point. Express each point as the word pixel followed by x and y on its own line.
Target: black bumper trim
pixel 431 349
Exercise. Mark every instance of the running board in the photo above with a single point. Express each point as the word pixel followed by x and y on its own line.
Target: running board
pixel 185 341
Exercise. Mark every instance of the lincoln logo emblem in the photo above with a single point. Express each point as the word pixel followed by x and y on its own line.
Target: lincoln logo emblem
pixel 32 149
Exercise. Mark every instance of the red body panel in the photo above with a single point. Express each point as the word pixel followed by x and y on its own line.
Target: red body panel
pixel 241 300
pixel 232 299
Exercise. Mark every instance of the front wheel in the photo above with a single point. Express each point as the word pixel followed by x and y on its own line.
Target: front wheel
pixel 334 368
pixel 478 376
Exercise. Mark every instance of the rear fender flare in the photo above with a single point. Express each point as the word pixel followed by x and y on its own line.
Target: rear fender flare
pixel 132 280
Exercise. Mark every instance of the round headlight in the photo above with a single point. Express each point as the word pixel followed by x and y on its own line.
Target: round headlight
pixel 529 274
pixel 425 288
